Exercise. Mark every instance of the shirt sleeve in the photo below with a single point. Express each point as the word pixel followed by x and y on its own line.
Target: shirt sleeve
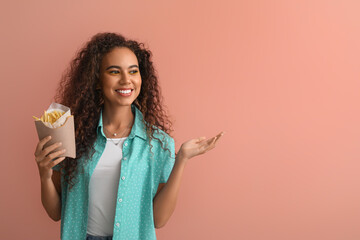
pixel 169 161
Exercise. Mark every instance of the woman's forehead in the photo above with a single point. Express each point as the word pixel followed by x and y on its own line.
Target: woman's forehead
pixel 122 57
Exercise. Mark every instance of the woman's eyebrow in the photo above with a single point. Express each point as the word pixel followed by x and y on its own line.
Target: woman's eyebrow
pixel 114 66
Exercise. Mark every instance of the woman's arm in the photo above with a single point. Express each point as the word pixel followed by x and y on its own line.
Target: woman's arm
pixel 165 200
pixel 50 196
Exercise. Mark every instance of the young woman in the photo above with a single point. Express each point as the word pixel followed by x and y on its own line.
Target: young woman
pixel 126 176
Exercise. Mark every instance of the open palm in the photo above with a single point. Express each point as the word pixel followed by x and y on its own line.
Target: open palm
pixel 198 146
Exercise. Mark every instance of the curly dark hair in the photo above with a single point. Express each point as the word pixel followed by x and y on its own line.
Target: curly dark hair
pixel 78 91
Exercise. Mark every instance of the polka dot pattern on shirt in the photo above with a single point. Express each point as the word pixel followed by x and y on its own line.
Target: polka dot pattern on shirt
pixel 140 176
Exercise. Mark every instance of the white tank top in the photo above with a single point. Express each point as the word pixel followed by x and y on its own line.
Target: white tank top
pixel 103 188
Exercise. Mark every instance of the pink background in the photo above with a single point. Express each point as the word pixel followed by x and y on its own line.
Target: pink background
pixel 280 77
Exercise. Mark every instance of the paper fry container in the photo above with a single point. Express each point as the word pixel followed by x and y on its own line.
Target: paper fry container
pixel 65 134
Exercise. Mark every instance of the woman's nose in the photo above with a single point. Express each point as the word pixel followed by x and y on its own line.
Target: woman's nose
pixel 125 78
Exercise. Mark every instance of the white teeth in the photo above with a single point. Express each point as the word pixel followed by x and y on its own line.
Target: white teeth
pixel 124 91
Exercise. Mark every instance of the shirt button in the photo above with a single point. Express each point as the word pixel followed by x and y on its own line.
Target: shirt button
pixel 125 144
pixel 117 224
pixel 120 199
pixel 124 158
pixel 123 178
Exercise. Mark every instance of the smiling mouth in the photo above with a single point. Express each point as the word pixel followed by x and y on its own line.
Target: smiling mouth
pixel 124 90
pixel 124 93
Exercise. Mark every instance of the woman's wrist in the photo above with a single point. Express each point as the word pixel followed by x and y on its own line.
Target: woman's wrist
pixel 180 158
pixel 45 180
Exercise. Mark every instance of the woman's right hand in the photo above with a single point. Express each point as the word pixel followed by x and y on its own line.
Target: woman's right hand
pixel 43 158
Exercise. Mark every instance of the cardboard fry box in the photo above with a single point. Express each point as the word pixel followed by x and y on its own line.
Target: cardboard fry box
pixel 59 132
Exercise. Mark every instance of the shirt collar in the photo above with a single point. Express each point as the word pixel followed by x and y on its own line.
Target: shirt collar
pixel 138 128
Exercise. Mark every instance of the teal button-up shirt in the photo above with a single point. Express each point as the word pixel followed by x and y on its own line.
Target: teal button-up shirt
pixel 140 176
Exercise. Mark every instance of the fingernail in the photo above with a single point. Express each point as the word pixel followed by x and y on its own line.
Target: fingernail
pixel 60 143
pixel 64 150
pixel 49 137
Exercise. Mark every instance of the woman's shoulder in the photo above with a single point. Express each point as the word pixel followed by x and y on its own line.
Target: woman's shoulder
pixel 164 144
pixel 161 138
pixel 161 134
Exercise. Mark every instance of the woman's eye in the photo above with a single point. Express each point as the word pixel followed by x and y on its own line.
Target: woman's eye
pixel 117 72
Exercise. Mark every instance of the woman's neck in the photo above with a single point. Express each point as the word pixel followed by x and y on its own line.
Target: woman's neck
pixel 118 118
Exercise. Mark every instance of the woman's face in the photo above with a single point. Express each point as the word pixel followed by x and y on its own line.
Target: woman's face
pixel 119 72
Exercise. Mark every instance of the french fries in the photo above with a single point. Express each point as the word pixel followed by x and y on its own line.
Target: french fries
pixel 50 117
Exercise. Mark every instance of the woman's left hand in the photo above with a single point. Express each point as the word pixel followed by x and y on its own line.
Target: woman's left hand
pixel 197 146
